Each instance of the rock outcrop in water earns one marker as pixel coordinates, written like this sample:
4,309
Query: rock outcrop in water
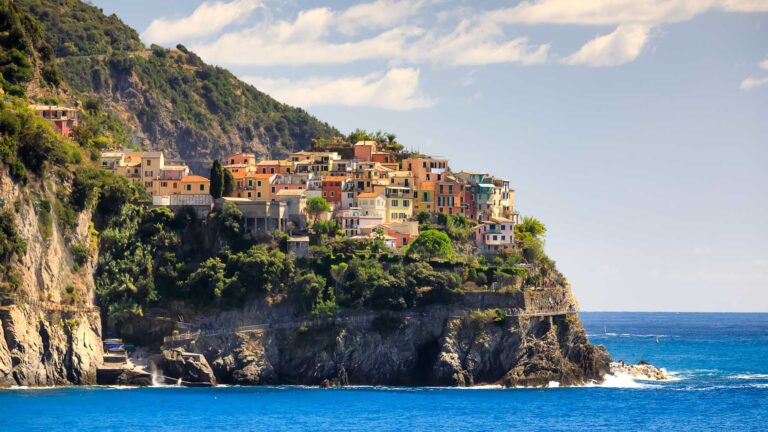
642,370
190,368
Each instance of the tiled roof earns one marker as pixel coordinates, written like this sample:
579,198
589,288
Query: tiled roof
368,194
194,178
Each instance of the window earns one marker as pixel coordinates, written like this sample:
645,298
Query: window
332,194
273,189
202,187
495,237
250,183
406,203
503,227
175,185
325,194
149,162
258,194
394,203
503,238
272,170
249,194
393,216
263,170
163,184
188,187
258,183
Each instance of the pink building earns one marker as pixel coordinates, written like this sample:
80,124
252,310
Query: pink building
494,234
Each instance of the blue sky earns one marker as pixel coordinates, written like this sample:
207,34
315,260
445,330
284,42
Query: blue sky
636,130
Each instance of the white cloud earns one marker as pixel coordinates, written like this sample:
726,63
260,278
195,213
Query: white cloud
623,45
616,12
753,82
305,40
475,43
750,83
397,89
377,14
208,19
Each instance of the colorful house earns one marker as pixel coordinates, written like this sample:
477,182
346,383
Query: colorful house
63,119
241,159
450,196
424,197
195,185
274,167
333,187
494,234
425,169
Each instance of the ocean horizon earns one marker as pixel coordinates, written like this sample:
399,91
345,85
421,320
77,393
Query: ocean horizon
718,361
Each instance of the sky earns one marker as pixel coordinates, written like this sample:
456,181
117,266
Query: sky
636,130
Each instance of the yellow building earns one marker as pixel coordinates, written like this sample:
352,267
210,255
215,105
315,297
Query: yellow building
424,198
195,185
399,205
254,186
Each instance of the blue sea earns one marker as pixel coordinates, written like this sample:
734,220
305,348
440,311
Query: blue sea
720,364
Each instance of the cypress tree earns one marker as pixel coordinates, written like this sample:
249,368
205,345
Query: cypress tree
229,183
217,183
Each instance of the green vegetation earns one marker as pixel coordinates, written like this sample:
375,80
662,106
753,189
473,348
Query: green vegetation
229,183
22,49
27,143
431,244
11,245
217,180
75,28
316,206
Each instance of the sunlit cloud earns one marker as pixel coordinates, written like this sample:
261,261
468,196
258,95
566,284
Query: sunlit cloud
397,89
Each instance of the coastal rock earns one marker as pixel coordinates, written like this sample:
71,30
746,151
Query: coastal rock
45,341
642,370
189,367
433,349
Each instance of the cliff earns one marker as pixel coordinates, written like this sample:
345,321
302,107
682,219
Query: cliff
49,332
446,345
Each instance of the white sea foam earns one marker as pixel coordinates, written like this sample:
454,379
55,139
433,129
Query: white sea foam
750,376
626,335
622,380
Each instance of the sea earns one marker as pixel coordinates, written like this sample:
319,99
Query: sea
719,364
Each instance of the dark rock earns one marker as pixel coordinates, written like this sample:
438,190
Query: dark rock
189,367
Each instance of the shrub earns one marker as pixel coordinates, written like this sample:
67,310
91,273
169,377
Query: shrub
431,244
81,252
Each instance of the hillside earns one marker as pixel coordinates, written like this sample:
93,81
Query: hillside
169,100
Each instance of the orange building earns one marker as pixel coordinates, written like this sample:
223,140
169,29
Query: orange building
241,159
425,169
332,187
195,185
274,167
450,196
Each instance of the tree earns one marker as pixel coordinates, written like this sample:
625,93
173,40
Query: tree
217,180
423,217
327,229
315,206
339,273
431,244
531,227
229,183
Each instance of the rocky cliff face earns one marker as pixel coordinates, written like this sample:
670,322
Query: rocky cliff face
434,349
48,333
